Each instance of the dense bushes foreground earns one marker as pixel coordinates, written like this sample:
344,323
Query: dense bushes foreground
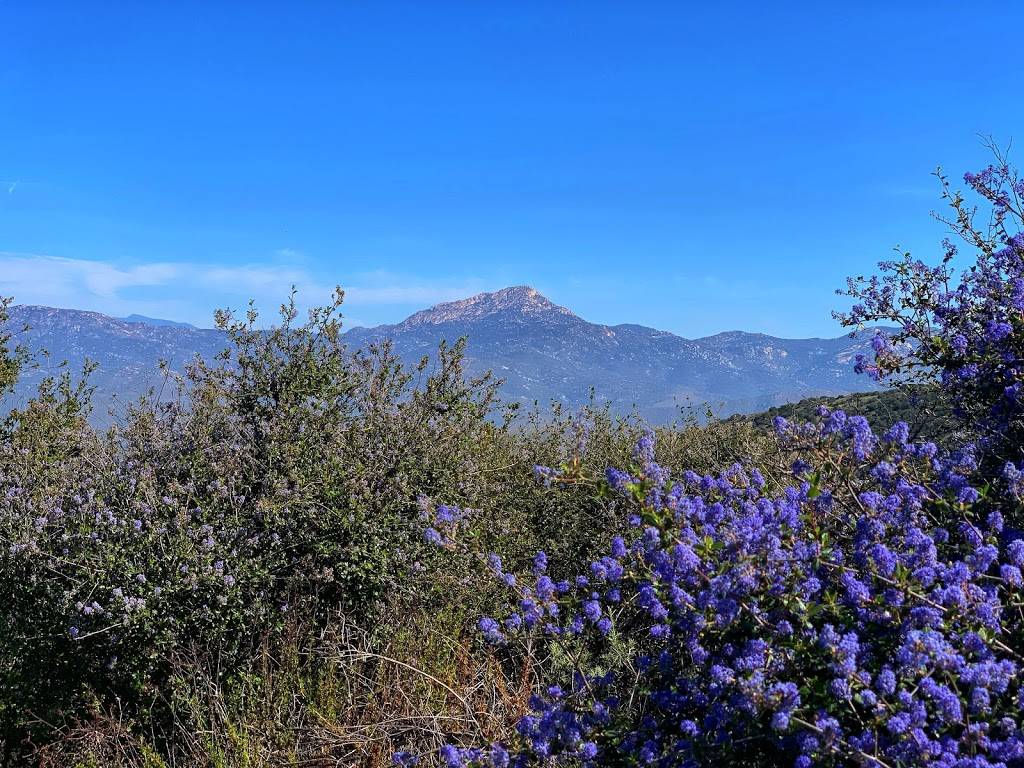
236,573
309,557
867,609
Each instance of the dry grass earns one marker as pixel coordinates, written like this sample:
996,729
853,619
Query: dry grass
350,698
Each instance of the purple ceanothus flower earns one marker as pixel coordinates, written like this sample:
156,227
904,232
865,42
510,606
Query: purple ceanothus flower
862,606
861,631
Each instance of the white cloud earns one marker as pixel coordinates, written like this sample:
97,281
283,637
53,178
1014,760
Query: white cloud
107,281
406,294
30,277
257,278
191,291
382,288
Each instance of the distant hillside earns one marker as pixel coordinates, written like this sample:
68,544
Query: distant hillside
128,352
542,351
155,321
922,409
545,352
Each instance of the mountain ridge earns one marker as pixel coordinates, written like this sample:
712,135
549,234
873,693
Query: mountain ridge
541,350
546,352
518,298
136,318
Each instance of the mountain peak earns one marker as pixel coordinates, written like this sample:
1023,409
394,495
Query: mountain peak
541,351
159,322
516,300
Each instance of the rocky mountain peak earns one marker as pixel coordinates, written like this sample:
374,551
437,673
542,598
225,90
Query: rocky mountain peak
542,353
518,300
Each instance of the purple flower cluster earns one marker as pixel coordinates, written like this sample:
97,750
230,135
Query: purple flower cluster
122,567
967,330
869,611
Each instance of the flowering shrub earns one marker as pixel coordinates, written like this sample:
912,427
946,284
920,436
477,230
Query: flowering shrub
967,330
866,607
838,597
279,483
870,611
215,537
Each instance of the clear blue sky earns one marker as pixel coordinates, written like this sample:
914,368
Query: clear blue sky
693,167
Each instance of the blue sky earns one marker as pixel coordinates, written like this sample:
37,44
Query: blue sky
693,167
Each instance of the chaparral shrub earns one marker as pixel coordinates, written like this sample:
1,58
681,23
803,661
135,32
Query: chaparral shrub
867,609
279,482
158,576
236,573
966,330
868,612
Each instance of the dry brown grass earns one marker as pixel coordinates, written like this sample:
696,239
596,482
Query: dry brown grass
351,698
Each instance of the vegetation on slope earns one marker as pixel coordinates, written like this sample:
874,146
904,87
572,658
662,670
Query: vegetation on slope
235,573
305,556
922,408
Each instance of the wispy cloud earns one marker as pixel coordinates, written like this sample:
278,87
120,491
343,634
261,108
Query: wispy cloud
191,290
30,277
387,288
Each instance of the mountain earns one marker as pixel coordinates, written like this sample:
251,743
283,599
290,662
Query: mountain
127,352
155,321
545,352
542,351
